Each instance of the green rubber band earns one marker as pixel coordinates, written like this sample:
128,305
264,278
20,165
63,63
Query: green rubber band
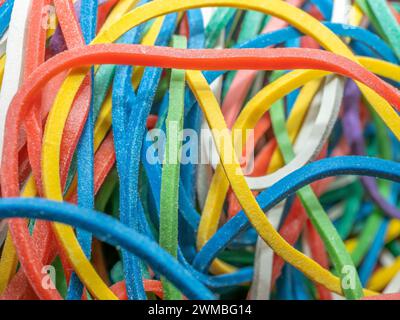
237,257
351,209
218,22
336,195
106,190
229,39
387,23
61,283
171,168
366,237
251,25
336,249
367,11
394,247
114,203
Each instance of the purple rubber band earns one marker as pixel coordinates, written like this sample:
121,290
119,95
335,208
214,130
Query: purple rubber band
353,132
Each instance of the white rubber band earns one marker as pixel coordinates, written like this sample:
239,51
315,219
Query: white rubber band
261,289
3,44
394,285
336,211
387,258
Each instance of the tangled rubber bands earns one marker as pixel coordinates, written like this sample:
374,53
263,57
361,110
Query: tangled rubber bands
199,149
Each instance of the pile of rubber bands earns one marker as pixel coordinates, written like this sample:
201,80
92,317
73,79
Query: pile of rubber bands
200,149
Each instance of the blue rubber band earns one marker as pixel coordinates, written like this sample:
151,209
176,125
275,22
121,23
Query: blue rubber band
109,230
85,150
131,211
5,16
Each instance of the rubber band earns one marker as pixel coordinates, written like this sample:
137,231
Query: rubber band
2,63
5,16
304,173
34,56
132,213
370,259
170,171
85,149
354,139
62,11
38,20
11,80
232,173
392,30
291,230
3,44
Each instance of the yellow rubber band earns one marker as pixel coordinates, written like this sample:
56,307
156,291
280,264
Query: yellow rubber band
382,276
2,64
